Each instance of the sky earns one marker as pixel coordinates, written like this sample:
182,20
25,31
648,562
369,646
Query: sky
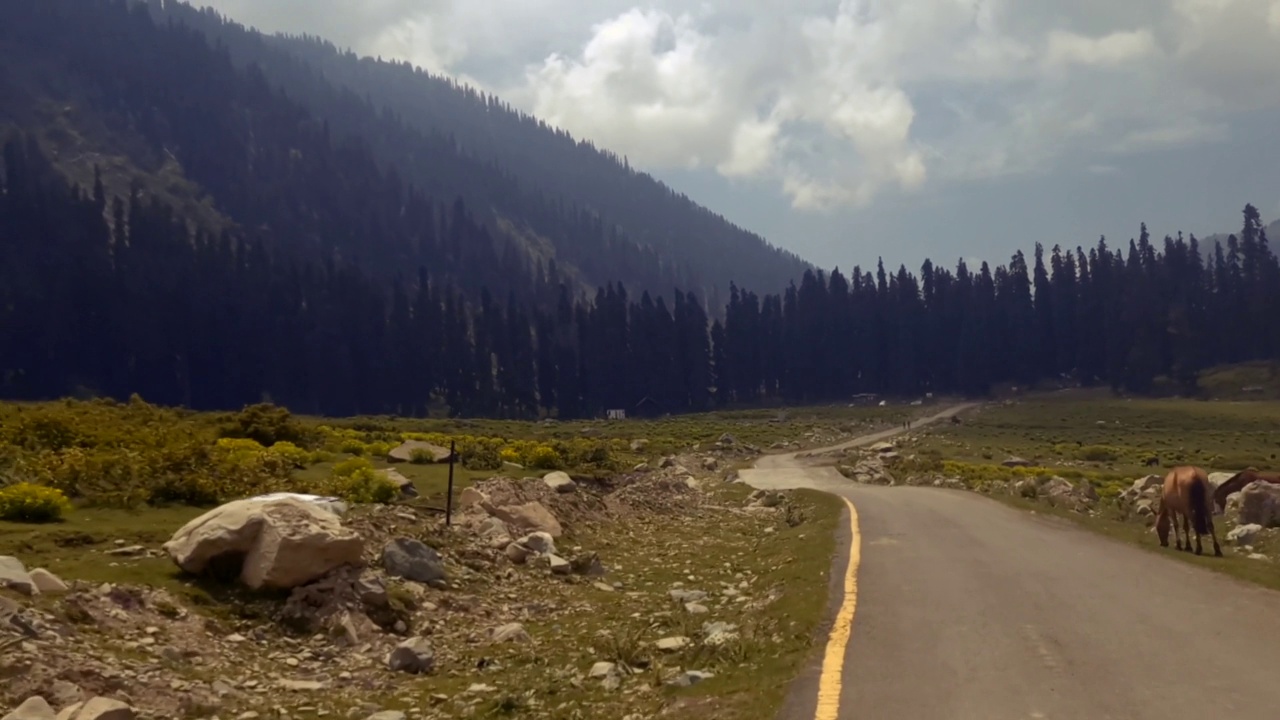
848,130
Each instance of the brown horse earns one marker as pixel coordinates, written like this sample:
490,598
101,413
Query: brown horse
1186,493
1239,481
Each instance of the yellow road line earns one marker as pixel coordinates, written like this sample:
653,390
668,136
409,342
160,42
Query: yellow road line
833,663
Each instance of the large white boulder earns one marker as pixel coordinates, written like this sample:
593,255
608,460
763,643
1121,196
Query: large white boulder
1260,504
281,543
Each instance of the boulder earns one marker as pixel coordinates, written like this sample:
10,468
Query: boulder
1016,461
639,445
1260,504
881,447
529,517
511,632
33,708
1217,478
539,542
560,482
280,543
407,488
13,575
469,497
404,451
47,582
413,560
494,532
558,565
518,553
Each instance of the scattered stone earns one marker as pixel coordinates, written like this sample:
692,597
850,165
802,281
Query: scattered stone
588,564
412,656
1259,556
301,685
511,632
710,464
881,447
601,669
639,445
99,708
539,542
387,715
718,633
602,587
681,595
64,693
1145,508
1015,461
47,582
641,467
413,560
1244,534
696,609
469,497
33,708
128,551
518,554
277,543
560,482
558,565
672,644
691,677
13,575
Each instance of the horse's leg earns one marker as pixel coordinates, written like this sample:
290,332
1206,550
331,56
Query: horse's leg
1213,533
1186,531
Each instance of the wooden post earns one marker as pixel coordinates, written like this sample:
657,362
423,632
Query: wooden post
448,502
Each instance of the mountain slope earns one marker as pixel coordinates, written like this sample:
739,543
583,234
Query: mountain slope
176,122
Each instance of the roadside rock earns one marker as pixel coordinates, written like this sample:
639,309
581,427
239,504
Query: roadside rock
1260,505
560,482
278,543
1244,534
13,575
413,560
413,656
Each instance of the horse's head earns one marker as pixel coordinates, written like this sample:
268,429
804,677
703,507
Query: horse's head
1233,484
1162,527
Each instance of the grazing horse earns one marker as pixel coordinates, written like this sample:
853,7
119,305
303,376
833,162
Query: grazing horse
1186,493
1239,481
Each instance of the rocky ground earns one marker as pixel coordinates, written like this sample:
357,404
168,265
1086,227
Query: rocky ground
554,597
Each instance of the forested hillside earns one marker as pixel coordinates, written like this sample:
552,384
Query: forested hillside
271,145
173,223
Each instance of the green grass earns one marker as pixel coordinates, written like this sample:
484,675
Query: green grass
1094,432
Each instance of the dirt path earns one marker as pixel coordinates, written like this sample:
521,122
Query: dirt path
967,608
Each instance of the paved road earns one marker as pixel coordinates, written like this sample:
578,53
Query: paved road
967,609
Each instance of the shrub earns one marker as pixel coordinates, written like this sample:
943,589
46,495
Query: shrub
292,454
352,446
510,455
265,423
545,457
1099,453
356,481
25,502
421,456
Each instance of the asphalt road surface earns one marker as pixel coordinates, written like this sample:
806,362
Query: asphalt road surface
967,609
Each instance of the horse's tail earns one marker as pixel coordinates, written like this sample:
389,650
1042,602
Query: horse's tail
1200,506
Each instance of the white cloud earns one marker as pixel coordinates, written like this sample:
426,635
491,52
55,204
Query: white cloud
841,101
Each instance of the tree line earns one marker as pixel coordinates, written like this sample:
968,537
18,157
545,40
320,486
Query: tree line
115,295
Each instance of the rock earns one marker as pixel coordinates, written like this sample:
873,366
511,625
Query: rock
540,542
1259,556
639,445
518,554
47,582
587,564
696,609
413,560
1015,461
1260,504
881,447
672,644
710,464
666,462
559,566
278,543
602,587
1217,478
511,632
727,440
718,633
529,517
641,467
470,497
407,488
13,575
301,685
1244,534
99,708
686,596
64,693
691,677
601,669
560,482
494,532
33,708
1144,508
404,451
387,715
412,656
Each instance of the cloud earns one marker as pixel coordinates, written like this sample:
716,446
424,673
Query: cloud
838,102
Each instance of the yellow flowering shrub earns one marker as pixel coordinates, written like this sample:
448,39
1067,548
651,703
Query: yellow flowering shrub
29,503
